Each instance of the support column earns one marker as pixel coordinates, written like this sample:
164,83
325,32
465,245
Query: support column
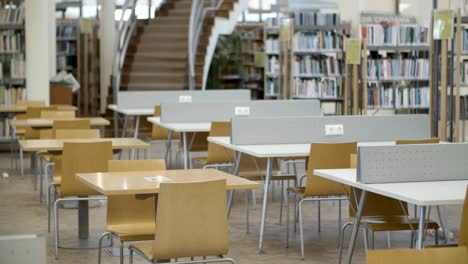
52,40
107,44
37,50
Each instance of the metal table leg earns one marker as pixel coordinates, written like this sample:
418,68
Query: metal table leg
168,145
135,133
421,229
184,138
83,219
116,124
357,221
21,161
265,203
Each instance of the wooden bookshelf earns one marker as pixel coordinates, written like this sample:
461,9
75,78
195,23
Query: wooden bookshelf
271,34
395,69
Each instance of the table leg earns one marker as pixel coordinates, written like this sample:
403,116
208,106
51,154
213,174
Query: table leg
421,229
168,146
265,203
357,221
137,126
83,219
184,138
116,124
21,161
124,128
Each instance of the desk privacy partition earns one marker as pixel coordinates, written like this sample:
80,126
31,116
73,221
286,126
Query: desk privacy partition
300,130
224,111
149,99
412,163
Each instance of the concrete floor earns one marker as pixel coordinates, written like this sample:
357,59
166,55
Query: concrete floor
21,213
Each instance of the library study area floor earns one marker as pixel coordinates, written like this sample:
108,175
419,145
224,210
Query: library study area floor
22,213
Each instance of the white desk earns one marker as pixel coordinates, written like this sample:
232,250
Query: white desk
269,152
183,128
422,194
136,112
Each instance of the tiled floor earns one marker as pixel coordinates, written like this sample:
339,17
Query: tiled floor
20,212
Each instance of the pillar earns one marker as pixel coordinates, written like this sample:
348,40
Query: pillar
107,33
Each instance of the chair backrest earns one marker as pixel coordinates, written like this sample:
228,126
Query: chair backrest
191,220
379,205
35,111
160,133
46,134
72,124
327,156
57,114
216,153
77,133
31,103
126,208
83,157
463,239
443,255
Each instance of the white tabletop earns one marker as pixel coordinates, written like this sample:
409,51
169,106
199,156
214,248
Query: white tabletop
419,193
132,111
277,150
181,127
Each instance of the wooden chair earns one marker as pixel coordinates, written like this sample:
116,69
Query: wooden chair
72,124
454,255
58,114
130,219
322,156
188,227
31,103
384,214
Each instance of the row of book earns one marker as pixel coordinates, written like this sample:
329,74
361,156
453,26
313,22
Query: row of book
379,96
272,45
12,95
322,40
14,69
12,15
388,69
465,39
325,88
464,72
396,35
272,65
271,88
68,31
11,41
307,65
316,19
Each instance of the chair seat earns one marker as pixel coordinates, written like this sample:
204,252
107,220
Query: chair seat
298,190
144,248
378,224
133,232
201,160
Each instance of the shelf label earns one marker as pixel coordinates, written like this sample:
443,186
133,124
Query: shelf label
185,99
353,51
242,111
443,24
334,130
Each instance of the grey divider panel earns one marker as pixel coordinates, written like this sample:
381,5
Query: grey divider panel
23,249
149,99
412,163
300,130
224,111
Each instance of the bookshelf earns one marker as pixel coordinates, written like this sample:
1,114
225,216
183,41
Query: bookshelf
396,68
316,62
272,60
68,41
252,57
12,61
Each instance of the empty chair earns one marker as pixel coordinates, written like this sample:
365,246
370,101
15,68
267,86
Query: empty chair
58,114
130,219
72,124
190,222
31,103
322,156
452,255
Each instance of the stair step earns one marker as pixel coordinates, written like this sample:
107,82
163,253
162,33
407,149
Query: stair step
157,86
165,36
158,65
169,27
156,77
161,55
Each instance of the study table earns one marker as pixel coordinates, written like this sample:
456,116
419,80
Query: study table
183,128
141,185
421,194
15,108
270,152
44,123
127,112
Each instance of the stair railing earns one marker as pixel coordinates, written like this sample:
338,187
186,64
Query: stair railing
197,18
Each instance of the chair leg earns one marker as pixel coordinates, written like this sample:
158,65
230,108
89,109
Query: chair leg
372,241
247,220
287,219
121,252
254,200
40,180
301,231
296,213
340,248
389,241
436,236
366,239
49,189
319,216
56,227
281,202
130,256
105,234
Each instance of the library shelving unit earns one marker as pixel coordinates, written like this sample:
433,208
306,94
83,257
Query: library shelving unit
252,57
316,61
396,69
68,38
12,61
271,34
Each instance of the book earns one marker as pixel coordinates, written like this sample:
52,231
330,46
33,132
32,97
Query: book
315,88
316,19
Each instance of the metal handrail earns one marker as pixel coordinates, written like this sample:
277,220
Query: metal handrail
197,19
